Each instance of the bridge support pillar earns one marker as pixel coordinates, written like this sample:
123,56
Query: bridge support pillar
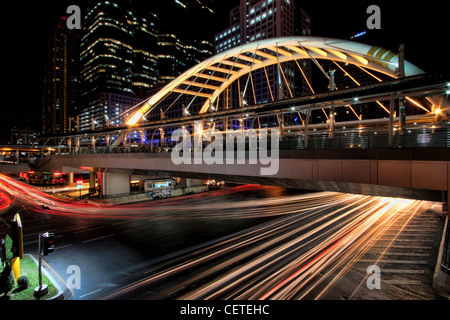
92,182
114,184
189,183
71,178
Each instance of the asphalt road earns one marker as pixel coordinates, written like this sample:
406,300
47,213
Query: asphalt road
247,242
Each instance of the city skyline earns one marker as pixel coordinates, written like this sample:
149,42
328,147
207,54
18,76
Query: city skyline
417,28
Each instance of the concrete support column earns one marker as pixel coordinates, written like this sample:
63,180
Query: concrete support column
71,178
114,184
92,182
193,183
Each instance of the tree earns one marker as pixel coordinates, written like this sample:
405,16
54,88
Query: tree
7,245
6,280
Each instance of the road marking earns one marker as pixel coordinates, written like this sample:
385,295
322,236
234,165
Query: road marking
393,261
88,230
123,222
409,235
403,247
408,254
63,247
403,282
400,271
417,228
90,293
136,229
407,240
100,238
36,241
30,242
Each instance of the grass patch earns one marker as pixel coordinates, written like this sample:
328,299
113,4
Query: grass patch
30,269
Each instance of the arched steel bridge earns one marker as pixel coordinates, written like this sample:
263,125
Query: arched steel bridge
347,68
212,77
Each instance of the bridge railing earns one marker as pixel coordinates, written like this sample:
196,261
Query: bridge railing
377,137
428,136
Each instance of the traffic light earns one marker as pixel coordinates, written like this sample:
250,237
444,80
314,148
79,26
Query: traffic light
49,243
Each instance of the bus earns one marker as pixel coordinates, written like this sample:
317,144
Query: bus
38,178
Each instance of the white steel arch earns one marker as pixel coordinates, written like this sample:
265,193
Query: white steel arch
211,77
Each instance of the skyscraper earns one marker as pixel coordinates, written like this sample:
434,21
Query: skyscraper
61,83
255,20
117,65
127,50
116,49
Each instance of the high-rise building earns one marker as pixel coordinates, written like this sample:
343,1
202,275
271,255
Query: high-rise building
116,49
116,60
23,137
260,19
255,20
61,82
176,56
127,51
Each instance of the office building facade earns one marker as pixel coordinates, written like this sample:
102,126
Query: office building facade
60,100
117,63
255,20
124,55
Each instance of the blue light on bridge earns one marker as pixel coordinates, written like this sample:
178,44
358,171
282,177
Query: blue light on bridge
359,35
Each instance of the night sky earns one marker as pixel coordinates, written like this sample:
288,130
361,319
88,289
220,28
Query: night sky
26,27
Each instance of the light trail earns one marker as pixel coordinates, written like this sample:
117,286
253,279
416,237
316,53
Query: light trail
188,207
284,258
308,238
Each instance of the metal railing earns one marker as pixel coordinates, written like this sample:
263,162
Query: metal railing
417,136
435,136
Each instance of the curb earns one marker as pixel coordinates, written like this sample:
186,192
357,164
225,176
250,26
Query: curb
60,295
